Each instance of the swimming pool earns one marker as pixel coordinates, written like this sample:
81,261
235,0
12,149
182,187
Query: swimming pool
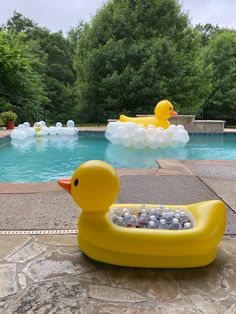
49,158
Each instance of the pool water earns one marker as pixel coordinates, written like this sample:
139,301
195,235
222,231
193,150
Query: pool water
50,158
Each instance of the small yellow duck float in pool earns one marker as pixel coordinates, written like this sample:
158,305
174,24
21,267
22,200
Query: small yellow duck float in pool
94,187
163,110
38,129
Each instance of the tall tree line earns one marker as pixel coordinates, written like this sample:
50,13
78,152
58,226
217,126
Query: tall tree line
132,54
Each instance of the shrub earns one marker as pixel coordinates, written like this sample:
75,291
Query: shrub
7,116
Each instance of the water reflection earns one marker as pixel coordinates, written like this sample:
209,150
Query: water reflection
42,143
131,157
24,145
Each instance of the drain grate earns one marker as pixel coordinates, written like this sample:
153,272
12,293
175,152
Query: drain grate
36,232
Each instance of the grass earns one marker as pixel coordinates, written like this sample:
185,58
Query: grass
230,127
91,125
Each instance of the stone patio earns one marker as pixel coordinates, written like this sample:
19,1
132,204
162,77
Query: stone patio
49,274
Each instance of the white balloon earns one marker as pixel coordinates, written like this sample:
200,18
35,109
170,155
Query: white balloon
169,133
43,123
140,133
184,139
26,124
113,126
59,130
108,135
151,131
21,135
13,134
173,127
115,140
138,143
153,143
127,141
52,130
159,133
141,126
161,142
121,131
58,125
70,124
182,133
71,131
130,127
31,132
44,131
20,126
65,131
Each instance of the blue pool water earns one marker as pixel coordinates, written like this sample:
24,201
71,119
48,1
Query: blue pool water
47,159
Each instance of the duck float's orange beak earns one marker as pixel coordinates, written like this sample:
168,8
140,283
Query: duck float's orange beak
174,113
65,184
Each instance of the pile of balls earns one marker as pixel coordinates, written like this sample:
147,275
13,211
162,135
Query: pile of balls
154,218
131,134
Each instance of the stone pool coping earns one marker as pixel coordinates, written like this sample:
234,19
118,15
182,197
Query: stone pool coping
223,187
167,167
4,132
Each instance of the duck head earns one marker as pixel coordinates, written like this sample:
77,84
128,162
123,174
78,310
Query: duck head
164,109
94,185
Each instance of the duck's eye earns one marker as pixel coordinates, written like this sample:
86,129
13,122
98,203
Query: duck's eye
170,108
76,182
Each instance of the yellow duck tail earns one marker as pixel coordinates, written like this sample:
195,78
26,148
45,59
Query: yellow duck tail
124,118
144,120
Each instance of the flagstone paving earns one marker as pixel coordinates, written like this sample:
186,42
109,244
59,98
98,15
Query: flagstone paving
49,274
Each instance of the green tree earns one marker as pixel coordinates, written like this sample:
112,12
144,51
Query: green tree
207,31
18,23
21,88
52,58
220,54
135,53
59,75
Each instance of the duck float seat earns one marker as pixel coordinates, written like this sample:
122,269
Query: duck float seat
95,185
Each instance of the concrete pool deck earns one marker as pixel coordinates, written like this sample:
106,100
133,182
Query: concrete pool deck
47,273
47,206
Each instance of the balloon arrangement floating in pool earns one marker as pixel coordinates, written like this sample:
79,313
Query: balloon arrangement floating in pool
153,132
40,129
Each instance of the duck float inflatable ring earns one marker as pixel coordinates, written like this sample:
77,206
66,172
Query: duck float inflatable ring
163,111
94,187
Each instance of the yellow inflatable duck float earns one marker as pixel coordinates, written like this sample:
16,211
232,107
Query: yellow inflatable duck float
163,110
94,187
38,129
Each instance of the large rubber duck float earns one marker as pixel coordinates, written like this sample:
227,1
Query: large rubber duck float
94,187
163,111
